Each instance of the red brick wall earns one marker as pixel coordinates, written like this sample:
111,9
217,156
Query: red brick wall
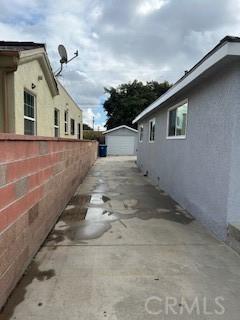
38,176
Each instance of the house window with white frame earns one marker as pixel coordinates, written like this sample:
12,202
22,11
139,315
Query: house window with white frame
29,114
79,130
152,130
141,133
66,119
72,127
177,120
56,123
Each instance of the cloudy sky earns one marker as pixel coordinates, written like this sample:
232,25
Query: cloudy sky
120,40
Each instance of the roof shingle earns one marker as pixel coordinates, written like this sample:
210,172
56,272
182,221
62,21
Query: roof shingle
20,46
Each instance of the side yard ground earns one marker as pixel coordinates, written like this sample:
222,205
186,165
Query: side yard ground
124,250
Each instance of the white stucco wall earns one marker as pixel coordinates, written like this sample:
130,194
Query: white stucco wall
201,172
29,73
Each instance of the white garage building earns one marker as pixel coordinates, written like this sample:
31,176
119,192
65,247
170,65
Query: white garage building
121,141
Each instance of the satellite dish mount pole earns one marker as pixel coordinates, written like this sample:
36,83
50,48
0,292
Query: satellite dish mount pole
64,58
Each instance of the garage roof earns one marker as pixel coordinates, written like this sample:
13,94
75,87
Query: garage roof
120,127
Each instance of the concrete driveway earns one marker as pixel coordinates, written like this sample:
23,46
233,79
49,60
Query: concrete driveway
124,250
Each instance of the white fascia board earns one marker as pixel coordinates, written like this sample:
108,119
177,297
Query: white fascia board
229,48
28,53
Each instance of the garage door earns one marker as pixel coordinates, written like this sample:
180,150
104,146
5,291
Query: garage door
120,145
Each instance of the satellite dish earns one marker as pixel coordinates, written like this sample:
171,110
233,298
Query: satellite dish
64,58
63,53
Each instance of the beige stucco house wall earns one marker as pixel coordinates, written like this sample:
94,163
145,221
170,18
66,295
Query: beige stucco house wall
33,74
64,102
1,103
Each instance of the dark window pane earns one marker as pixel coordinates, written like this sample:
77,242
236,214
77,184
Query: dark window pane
29,105
56,117
30,112
172,123
56,132
66,121
25,109
152,131
140,134
28,99
72,127
29,126
79,131
181,120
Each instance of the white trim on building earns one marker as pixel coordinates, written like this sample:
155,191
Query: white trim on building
221,51
120,127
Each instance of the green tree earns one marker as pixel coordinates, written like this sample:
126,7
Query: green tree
86,127
129,99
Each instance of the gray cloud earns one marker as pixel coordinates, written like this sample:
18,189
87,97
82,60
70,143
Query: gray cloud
177,32
120,40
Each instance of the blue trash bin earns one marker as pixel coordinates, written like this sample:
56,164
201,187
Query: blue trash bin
102,150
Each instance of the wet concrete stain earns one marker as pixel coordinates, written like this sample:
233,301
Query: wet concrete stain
98,199
85,218
79,233
90,216
87,230
33,272
55,237
82,224
74,214
77,208
146,215
79,200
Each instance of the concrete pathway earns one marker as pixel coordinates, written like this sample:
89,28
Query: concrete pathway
124,250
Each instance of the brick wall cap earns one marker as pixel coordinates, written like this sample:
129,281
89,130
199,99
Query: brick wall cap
18,137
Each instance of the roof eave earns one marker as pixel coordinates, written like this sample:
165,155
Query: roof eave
225,49
120,127
41,55
9,60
